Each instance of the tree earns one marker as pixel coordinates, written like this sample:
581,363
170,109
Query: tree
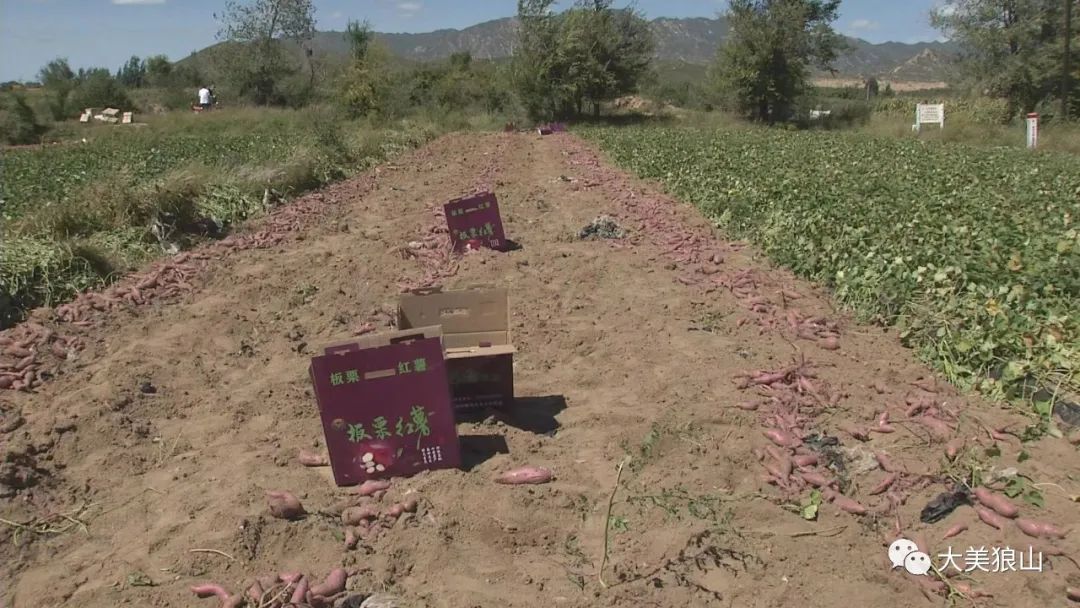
588,54
258,63
132,73
365,82
58,80
765,64
98,89
1010,48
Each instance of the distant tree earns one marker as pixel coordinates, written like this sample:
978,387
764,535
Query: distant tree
588,54
765,64
365,83
359,36
98,89
58,80
18,125
258,63
133,73
1011,48
158,68
872,87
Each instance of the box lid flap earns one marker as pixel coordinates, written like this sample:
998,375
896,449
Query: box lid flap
480,351
465,311
382,339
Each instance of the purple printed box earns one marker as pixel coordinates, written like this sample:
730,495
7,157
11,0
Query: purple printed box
385,405
474,221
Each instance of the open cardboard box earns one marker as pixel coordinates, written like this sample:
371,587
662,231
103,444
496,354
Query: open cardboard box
476,338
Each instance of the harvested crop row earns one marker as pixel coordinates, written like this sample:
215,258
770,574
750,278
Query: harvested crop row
163,280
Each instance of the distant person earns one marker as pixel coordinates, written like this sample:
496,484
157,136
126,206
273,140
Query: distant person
204,98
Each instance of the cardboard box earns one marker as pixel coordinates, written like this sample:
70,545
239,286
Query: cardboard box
476,337
385,405
474,221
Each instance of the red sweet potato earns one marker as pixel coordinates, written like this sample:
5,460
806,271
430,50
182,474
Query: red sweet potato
299,594
805,460
332,585
525,475
206,590
953,531
371,486
1000,504
815,479
309,458
1039,529
990,518
782,438
830,343
884,484
409,505
284,505
1073,593
354,516
848,505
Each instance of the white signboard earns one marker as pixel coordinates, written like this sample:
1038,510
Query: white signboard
817,114
1032,130
928,114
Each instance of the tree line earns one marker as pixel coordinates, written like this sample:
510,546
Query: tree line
569,64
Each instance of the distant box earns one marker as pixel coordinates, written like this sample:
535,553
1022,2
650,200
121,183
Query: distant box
476,336
474,221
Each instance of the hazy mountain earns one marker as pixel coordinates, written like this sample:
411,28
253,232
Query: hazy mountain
688,41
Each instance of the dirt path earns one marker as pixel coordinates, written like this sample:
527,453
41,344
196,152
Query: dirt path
630,352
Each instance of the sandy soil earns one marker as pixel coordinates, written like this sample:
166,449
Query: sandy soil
630,352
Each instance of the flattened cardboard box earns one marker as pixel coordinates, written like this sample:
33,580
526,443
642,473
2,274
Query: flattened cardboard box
476,336
385,405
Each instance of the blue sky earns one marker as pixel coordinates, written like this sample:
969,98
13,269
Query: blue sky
107,32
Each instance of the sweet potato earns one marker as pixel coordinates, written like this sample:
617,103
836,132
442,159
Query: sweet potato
284,505
783,438
354,516
299,594
352,537
1073,593
848,505
1039,529
308,458
830,343
885,462
815,479
409,505
290,577
953,531
990,518
395,511
525,475
884,484
805,460
333,584
1000,504
952,449
371,486
255,592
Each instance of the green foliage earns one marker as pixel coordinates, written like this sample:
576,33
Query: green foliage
133,73
58,80
98,89
18,124
257,63
1011,49
765,64
974,252
73,215
585,55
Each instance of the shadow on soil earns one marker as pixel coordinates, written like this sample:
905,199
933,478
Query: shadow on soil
478,449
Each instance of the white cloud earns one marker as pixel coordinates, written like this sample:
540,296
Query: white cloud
136,2
408,9
864,25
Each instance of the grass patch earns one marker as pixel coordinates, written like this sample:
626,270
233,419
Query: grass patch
77,214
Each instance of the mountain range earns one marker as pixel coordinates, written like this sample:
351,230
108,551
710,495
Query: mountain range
686,42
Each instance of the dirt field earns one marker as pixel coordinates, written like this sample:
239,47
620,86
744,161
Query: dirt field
629,352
